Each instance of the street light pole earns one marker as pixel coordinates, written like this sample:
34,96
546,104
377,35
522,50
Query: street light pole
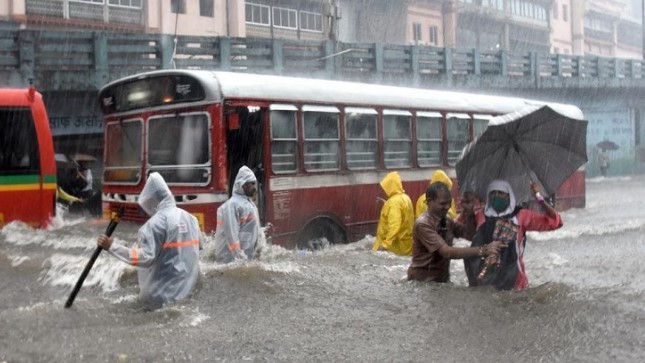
643,25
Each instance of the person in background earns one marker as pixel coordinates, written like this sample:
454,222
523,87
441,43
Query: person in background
85,174
434,233
394,231
237,236
502,220
64,197
422,206
603,161
167,250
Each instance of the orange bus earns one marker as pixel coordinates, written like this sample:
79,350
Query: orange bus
319,148
27,165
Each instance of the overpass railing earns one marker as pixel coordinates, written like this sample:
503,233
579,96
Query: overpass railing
86,60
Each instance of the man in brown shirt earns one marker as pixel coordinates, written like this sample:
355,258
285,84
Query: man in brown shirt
433,236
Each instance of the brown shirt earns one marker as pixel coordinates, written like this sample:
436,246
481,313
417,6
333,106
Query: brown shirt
427,263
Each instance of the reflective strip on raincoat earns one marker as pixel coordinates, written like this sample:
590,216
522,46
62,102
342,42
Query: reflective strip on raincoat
394,231
167,250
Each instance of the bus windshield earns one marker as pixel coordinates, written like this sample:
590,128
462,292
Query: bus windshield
178,147
123,151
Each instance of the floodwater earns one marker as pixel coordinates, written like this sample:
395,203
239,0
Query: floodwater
346,303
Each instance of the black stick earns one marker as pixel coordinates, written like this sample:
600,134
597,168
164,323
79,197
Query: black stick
116,218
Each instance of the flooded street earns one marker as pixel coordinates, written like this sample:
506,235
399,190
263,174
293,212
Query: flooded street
586,303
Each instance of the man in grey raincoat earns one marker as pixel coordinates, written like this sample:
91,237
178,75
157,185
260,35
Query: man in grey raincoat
167,251
238,222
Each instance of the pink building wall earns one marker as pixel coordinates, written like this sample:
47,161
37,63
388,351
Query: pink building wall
561,27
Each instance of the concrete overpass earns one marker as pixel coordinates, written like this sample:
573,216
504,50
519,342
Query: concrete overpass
69,67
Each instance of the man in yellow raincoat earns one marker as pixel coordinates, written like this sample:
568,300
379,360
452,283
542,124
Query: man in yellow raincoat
394,232
422,206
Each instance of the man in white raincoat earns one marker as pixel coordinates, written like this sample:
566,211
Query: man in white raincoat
167,251
238,222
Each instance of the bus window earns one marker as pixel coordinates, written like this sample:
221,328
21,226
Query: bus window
362,139
429,138
398,142
456,135
284,140
18,142
123,160
178,146
480,123
321,138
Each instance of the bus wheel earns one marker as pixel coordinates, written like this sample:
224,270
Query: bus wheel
320,234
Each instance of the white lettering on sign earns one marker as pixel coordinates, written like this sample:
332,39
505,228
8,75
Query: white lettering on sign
81,124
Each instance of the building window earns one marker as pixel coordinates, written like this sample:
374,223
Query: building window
565,11
285,18
310,21
178,6
416,32
433,35
555,11
127,3
206,8
257,14
529,10
91,1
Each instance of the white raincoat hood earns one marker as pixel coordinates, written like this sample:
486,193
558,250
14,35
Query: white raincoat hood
155,195
244,176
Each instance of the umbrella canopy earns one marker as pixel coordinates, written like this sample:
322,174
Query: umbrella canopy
61,158
83,158
607,145
534,144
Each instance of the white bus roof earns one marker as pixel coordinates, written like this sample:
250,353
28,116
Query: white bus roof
224,85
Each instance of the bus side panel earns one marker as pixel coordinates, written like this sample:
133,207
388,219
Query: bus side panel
21,198
30,197
47,161
354,207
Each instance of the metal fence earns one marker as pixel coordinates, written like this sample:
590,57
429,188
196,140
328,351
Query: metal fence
86,60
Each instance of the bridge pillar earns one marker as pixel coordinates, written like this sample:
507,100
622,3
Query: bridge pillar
26,56
101,68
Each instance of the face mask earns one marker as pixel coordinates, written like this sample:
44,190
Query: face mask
499,204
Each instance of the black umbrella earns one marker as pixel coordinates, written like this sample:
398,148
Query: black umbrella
607,145
534,144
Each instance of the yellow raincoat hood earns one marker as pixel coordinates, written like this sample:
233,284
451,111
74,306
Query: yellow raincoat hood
392,184
437,176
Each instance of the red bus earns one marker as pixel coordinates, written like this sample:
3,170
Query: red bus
319,148
27,165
